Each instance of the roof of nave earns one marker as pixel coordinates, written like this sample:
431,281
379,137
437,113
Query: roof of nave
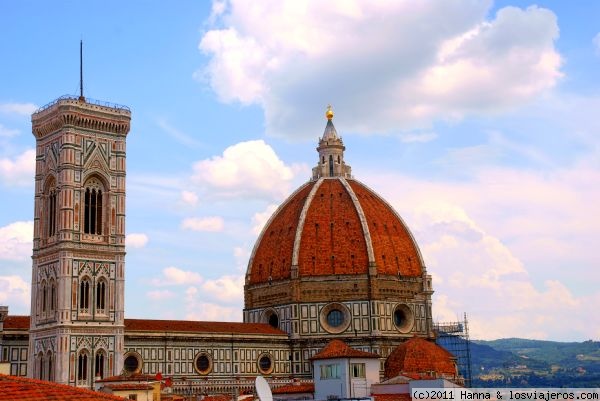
184,326
339,349
23,389
16,322
190,326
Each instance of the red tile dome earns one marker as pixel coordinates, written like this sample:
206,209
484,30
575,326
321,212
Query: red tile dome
333,226
418,357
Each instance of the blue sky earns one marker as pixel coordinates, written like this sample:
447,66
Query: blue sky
476,120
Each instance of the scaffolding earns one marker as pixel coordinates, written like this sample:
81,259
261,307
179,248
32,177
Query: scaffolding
454,337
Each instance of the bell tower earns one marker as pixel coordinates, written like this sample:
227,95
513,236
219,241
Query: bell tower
77,294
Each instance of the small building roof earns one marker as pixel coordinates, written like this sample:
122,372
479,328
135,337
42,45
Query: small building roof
418,358
295,388
339,349
16,322
23,389
129,386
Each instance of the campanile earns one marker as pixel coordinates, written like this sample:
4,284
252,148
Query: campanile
77,285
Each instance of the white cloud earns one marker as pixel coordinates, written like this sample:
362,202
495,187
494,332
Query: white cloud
7,132
246,169
259,219
227,289
419,137
207,311
18,171
211,224
160,295
198,308
16,241
461,63
189,198
15,292
505,237
176,276
136,240
241,255
24,109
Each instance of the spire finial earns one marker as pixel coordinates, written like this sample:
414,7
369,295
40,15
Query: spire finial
81,71
329,112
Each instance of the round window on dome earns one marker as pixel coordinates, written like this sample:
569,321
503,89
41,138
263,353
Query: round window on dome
132,363
335,318
265,364
270,317
403,318
203,363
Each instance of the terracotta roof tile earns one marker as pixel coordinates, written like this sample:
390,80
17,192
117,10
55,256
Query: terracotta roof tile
332,240
417,358
339,349
16,322
295,388
217,397
22,323
392,397
129,386
19,388
200,327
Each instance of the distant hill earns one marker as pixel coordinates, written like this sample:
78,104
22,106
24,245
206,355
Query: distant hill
517,362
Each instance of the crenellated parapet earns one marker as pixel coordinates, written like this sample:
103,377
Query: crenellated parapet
71,112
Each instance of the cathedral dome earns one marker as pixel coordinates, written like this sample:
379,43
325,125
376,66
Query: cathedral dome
333,226
336,240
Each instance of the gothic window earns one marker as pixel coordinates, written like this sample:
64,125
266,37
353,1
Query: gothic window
101,295
40,366
51,212
92,219
52,295
84,294
82,366
99,365
44,296
50,369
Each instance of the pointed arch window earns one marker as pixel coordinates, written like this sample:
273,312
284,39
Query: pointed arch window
82,367
92,219
50,208
99,365
101,295
84,294
50,369
52,295
44,296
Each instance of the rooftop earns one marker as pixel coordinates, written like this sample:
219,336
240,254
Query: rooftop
339,349
23,389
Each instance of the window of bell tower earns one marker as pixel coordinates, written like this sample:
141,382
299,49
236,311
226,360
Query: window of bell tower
50,201
92,218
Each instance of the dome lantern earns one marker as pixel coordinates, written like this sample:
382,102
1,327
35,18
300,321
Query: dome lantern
331,152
